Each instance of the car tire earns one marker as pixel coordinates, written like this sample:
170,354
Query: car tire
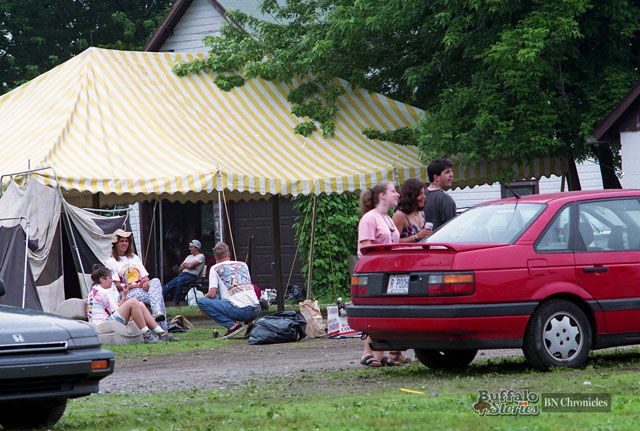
446,359
558,335
36,413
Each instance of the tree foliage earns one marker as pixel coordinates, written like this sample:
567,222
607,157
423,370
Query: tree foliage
36,35
497,78
336,237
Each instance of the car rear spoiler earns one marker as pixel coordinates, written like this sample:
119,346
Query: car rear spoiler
432,246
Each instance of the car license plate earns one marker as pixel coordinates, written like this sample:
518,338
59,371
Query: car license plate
398,284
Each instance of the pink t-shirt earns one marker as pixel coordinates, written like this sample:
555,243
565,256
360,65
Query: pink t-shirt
378,228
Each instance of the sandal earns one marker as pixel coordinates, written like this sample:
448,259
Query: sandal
399,357
247,334
390,362
370,361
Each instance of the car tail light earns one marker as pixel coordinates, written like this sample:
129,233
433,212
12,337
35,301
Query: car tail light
359,285
451,284
99,364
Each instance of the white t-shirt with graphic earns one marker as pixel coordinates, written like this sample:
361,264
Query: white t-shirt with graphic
127,269
101,303
233,280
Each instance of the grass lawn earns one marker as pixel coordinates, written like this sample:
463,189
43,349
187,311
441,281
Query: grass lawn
375,399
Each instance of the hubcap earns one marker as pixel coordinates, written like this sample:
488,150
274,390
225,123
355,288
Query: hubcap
562,336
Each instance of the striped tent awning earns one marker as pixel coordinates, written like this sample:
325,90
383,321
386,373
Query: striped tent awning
124,125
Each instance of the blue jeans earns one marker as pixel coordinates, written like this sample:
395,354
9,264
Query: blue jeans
177,284
225,313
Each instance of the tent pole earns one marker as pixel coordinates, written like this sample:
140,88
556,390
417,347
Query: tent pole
220,227
26,262
277,255
75,244
311,241
161,231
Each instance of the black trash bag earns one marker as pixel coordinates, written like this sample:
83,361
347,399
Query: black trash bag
295,294
280,327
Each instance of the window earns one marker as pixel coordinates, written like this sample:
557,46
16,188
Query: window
523,188
610,225
556,235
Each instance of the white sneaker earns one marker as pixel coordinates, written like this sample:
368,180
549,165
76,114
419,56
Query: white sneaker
149,338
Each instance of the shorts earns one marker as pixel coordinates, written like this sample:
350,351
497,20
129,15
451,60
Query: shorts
117,317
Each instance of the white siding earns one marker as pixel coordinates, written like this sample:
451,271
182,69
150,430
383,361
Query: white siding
630,154
199,20
134,219
588,172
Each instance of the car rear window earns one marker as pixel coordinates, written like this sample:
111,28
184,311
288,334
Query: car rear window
493,224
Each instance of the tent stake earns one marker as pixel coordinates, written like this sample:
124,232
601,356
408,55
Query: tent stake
311,241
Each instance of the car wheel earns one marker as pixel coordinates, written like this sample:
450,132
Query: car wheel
558,335
446,359
32,413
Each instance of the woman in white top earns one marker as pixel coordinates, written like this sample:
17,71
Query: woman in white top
103,304
127,268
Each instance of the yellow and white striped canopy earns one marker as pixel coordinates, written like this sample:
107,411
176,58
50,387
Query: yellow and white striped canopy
123,124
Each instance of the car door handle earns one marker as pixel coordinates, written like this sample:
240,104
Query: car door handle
596,269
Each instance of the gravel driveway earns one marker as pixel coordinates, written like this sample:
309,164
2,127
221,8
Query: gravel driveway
240,363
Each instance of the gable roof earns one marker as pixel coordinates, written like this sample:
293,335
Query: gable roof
177,11
617,113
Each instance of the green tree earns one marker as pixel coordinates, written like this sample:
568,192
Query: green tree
336,237
36,35
497,78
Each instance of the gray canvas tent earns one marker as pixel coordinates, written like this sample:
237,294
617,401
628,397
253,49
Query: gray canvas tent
62,241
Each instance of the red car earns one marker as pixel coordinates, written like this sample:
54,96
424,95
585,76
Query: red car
556,275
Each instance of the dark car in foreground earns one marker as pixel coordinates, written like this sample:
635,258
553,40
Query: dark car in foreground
44,360
556,275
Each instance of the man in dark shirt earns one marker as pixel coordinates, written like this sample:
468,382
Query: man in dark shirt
439,207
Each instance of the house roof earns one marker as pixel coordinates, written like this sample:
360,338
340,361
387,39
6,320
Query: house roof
617,113
165,29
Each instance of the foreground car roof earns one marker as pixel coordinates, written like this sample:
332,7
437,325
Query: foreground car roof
569,196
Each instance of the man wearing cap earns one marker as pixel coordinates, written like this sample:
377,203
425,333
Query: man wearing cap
189,269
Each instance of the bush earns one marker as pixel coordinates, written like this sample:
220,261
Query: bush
336,238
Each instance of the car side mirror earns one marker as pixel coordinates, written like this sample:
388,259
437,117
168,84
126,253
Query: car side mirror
1,287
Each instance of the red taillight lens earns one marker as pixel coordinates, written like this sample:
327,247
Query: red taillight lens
451,284
359,285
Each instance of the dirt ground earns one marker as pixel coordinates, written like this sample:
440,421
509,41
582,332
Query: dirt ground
239,364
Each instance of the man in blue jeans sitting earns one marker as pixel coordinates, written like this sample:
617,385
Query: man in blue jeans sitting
189,271
237,303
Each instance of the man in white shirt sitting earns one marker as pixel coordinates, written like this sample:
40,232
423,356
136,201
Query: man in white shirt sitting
237,303
189,269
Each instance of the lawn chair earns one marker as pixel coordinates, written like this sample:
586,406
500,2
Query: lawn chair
201,283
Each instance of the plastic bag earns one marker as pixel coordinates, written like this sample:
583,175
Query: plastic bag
295,294
280,327
192,298
311,312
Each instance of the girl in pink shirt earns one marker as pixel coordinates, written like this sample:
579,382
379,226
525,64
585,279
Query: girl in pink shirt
376,227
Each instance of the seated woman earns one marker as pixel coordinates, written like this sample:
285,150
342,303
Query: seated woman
103,304
127,268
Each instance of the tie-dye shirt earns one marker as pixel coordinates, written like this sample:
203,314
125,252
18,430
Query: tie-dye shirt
101,303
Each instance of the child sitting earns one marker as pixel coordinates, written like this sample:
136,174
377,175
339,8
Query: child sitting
103,304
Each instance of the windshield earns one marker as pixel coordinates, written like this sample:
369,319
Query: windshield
497,223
